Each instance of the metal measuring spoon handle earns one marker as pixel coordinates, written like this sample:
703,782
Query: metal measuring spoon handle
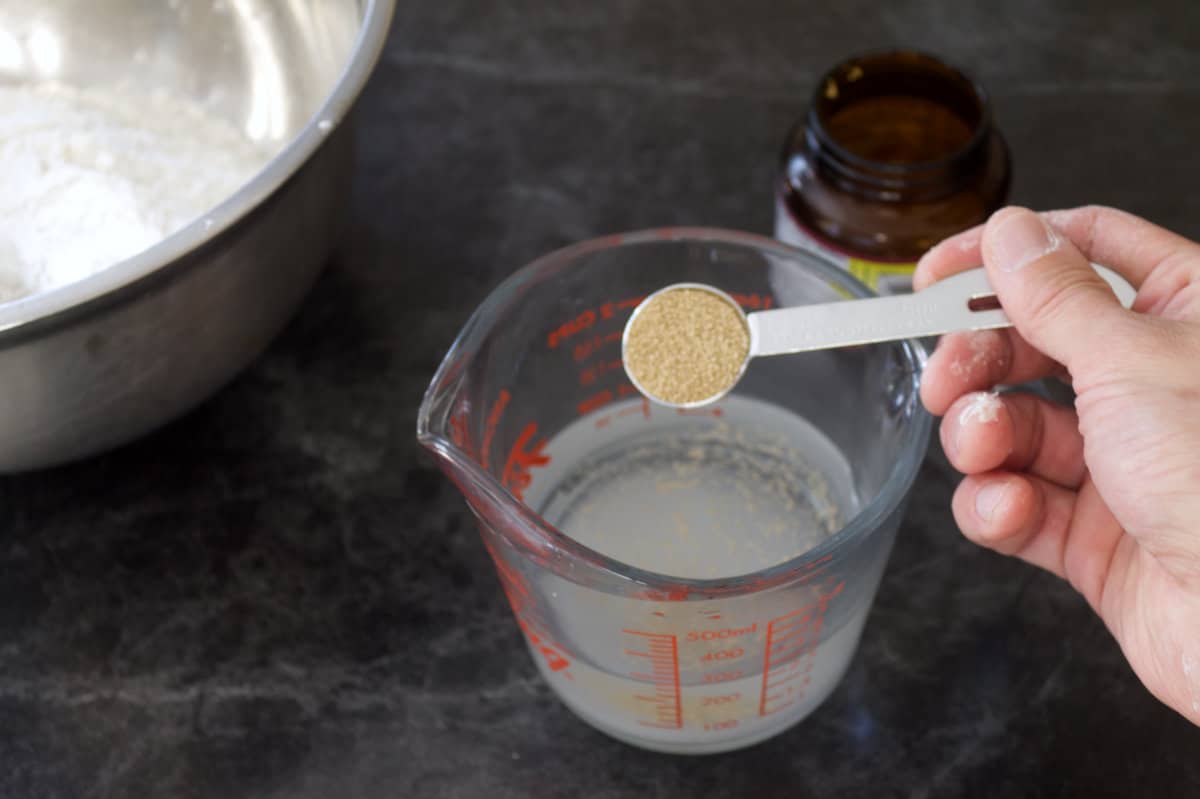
965,301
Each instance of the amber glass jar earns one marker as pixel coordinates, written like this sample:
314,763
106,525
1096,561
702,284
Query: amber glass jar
897,151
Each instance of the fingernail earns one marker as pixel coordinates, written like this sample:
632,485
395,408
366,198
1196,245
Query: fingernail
1021,237
988,498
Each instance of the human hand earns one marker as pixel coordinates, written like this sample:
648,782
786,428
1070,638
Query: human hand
1106,494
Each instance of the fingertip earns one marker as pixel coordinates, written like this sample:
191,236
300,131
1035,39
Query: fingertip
964,362
949,256
997,510
977,432
1000,214
923,274
929,397
1055,299
935,395
1016,236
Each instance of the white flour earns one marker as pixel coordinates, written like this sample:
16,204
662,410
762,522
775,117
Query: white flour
984,407
93,177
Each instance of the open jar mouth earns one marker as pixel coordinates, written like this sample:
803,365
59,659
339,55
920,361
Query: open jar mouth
898,119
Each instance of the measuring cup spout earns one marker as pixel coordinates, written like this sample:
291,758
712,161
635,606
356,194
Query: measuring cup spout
447,427
452,427
443,429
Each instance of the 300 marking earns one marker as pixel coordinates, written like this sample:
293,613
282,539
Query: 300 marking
722,676
720,700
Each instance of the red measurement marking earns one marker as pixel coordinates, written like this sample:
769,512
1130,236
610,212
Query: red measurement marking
814,570
723,654
720,700
661,651
593,373
595,401
458,428
584,349
788,657
722,634
521,458
722,676
489,430
587,319
568,329
625,389
459,433
523,603
554,661
715,726
642,408
810,572
609,309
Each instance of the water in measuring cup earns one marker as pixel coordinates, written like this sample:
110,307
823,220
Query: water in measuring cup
696,716
706,493
697,494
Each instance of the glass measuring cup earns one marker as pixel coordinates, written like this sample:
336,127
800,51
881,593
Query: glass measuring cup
737,623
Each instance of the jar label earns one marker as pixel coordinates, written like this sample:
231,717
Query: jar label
883,277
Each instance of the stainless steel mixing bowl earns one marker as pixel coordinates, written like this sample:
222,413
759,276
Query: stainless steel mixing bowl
99,362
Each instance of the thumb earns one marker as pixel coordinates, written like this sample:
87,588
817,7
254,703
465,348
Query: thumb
1048,289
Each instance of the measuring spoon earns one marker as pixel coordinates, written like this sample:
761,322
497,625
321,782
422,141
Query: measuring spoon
964,301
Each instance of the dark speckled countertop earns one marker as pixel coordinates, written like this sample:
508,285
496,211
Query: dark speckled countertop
280,596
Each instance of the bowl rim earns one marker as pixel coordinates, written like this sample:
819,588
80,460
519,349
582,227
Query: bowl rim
57,306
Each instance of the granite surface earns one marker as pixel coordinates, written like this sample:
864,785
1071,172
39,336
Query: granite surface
280,596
